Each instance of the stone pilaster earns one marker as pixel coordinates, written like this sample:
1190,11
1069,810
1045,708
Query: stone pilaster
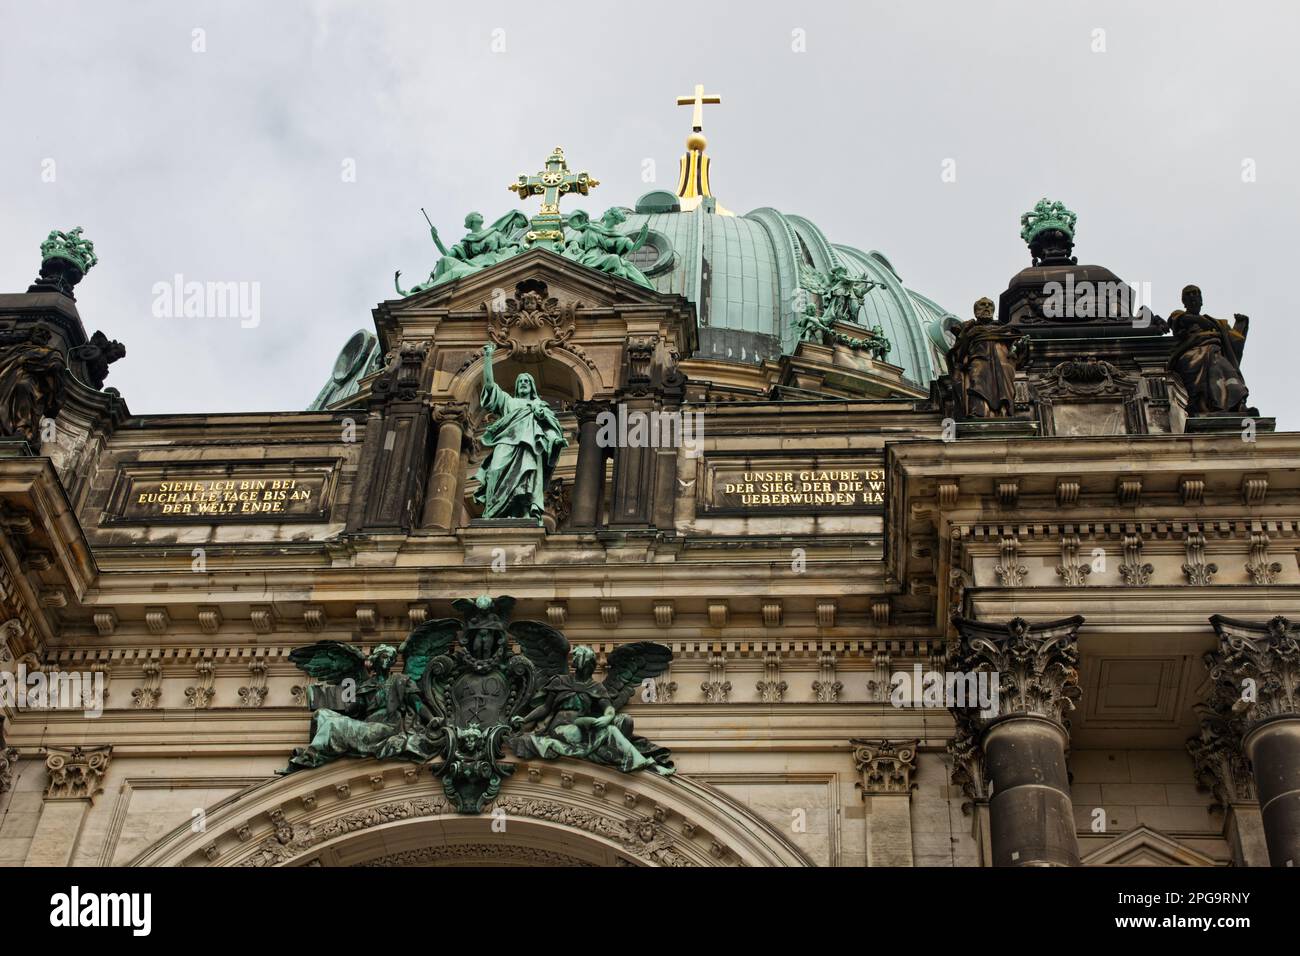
1255,698
887,767
1021,741
440,496
391,475
589,477
76,777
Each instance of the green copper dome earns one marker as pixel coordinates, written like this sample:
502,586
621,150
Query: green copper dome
742,273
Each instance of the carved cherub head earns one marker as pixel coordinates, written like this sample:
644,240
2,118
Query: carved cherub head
584,662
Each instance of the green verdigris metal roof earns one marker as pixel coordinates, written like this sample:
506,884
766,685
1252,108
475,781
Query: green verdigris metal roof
742,273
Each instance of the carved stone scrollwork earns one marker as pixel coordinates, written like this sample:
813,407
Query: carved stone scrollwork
199,696
1133,570
147,695
254,695
76,773
717,689
534,323
1071,569
8,760
1011,573
1260,569
968,768
771,689
1198,571
826,688
886,766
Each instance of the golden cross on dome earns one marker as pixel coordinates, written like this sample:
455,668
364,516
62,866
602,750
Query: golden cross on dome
698,101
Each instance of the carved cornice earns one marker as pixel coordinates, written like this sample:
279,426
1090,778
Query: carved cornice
76,773
886,766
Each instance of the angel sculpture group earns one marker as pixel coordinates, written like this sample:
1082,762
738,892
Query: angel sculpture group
842,296
596,244
464,695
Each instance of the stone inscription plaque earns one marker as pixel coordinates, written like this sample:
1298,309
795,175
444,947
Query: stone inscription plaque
796,489
237,493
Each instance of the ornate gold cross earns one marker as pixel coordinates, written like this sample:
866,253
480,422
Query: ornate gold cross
552,183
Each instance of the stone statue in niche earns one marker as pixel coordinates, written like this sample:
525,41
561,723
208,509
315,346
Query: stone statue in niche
525,442
1207,358
982,364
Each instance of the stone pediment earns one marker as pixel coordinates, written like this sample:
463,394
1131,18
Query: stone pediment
1144,846
572,327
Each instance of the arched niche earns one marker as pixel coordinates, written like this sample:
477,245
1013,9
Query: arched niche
363,812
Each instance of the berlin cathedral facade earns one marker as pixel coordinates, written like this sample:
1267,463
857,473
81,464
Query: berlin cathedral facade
659,536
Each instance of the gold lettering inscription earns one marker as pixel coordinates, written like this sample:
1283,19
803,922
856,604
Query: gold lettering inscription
225,497
819,489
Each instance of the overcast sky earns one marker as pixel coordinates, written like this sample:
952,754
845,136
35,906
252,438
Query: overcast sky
230,163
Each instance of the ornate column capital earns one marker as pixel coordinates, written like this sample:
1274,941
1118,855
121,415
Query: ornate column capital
886,766
8,758
456,413
1255,671
588,411
969,771
1036,666
1221,766
76,773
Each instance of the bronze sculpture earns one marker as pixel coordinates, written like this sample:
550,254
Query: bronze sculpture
1207,358
983,363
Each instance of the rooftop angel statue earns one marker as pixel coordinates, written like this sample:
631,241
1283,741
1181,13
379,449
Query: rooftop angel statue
842,294
576,716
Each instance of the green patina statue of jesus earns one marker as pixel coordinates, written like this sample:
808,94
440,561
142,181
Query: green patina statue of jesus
525,443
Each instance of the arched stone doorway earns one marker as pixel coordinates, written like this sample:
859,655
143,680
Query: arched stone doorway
366,813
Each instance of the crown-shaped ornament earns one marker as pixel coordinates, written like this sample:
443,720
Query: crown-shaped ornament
1044,216
70,246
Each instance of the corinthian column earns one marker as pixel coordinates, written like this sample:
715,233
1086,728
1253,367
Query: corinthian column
1022,736
589,476
1256,693
446,475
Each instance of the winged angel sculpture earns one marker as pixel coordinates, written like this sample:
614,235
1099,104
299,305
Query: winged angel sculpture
842,296
463,695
